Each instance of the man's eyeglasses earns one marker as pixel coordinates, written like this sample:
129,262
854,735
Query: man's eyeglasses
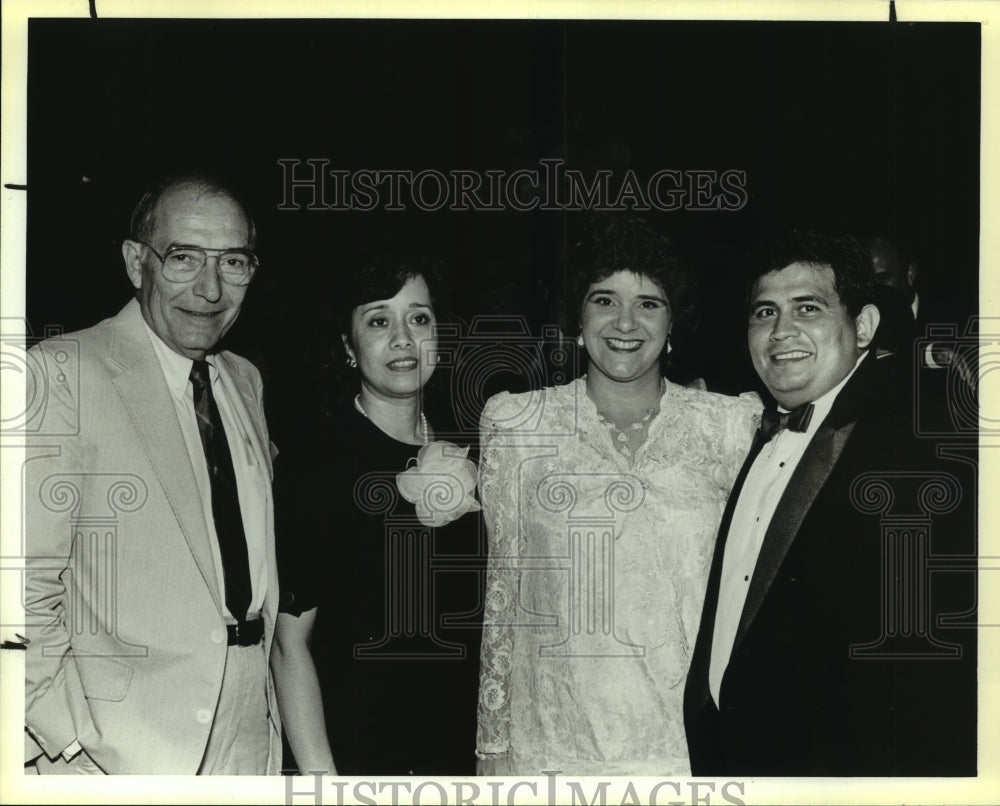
181,264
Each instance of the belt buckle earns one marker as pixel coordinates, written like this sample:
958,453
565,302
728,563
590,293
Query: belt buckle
236,629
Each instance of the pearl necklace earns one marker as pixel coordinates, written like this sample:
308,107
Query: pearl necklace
423,418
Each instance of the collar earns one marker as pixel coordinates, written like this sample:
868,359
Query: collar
823,404
176,367
582,381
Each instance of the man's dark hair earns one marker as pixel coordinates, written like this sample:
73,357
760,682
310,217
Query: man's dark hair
853,270
143,222
889,246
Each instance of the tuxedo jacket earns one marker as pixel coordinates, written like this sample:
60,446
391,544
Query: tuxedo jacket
123,609
855,652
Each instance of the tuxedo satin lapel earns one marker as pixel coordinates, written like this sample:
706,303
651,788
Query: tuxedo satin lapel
702,654
803,487
144,393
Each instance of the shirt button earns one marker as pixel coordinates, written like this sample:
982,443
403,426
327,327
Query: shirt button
204,716
218,636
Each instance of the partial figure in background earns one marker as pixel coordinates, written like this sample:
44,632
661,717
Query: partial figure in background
943,366
828,644
377,647
152,589
601,499
892,270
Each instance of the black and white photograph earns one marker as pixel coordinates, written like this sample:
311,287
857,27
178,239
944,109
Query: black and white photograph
531,405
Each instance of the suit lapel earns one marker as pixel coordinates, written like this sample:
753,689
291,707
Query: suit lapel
144,393
243,401
803,487
805,484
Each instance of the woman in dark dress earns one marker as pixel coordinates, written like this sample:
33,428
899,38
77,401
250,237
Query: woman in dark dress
376,649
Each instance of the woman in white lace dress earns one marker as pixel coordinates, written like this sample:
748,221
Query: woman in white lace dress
602,499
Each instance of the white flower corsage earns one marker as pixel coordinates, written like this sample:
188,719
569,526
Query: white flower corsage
441,484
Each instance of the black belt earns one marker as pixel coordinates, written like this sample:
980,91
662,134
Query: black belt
246,633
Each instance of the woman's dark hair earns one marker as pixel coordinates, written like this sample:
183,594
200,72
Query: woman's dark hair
628,243
373,274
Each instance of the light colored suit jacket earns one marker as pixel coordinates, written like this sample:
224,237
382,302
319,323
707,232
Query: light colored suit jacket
123,608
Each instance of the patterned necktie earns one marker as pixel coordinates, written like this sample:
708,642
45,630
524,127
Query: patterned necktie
225,498
772,422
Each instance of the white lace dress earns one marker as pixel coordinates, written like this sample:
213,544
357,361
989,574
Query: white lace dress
597,573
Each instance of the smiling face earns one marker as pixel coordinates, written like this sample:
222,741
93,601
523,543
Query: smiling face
392,340
190,317
625,321
803,342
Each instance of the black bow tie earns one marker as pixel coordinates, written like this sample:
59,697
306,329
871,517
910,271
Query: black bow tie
773,421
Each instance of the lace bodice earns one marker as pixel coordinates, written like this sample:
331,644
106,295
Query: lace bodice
596,575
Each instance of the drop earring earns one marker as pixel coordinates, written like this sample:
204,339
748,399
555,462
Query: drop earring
579,340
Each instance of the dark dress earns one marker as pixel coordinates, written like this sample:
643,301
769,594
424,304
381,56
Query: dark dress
396,639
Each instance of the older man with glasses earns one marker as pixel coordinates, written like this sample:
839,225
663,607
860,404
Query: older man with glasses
151,585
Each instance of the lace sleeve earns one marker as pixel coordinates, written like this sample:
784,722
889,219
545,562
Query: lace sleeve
741,423
498,491
735,421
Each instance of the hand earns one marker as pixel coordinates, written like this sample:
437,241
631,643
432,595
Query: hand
943,355
497,765
965,366
319,766
80,764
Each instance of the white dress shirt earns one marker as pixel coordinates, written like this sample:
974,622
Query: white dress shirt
248,465
762,490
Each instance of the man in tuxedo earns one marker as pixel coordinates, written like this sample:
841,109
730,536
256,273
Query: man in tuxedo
151,587
827,646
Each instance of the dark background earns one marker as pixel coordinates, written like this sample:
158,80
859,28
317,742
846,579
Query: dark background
849,127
